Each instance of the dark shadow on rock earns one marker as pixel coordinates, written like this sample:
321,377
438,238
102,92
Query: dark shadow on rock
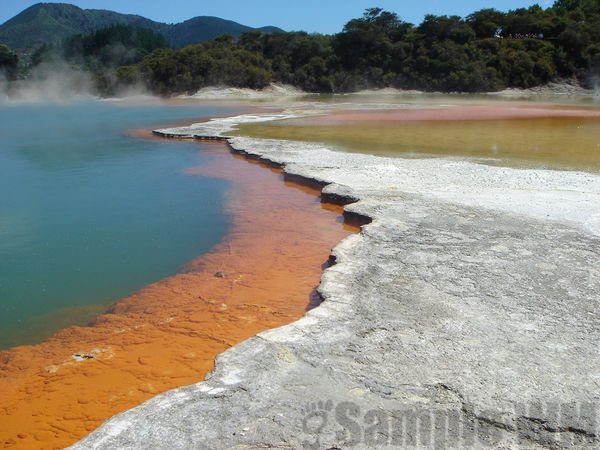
314,300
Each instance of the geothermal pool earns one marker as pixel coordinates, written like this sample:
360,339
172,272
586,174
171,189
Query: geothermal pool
89,215
274,239
137,209
515,134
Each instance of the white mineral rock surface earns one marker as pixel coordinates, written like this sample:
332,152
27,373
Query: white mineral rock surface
467,314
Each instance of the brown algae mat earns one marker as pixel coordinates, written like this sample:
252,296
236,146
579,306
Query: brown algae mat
519,135
263,275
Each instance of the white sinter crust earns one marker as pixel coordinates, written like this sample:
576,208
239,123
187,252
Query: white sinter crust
471,301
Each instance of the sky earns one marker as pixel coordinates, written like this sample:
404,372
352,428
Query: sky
321,16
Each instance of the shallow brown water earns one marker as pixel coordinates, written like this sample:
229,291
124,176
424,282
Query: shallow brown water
530,137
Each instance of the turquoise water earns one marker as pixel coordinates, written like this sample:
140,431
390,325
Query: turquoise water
89,215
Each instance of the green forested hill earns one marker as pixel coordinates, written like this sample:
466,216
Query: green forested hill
486,51
46,23
204,28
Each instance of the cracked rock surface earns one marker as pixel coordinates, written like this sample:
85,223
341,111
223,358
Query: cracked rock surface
442,324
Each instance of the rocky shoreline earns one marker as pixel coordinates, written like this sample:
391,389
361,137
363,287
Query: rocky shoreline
557,88
564,87
462,316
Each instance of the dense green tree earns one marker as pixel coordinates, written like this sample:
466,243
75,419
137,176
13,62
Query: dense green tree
368,41
487,50
101,50
114,46
219,62
440,28
486,22
9,63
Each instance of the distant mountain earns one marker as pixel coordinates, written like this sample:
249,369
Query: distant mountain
52,22
204,28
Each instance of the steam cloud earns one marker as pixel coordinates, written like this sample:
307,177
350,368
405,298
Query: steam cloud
57,82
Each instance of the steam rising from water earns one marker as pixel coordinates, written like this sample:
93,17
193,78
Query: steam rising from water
53,84
595,83
56,83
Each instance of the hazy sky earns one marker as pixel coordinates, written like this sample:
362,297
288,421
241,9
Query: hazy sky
323,16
